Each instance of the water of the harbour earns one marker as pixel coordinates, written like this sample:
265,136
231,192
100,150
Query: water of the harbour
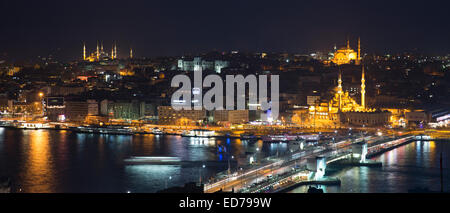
64,161
414,167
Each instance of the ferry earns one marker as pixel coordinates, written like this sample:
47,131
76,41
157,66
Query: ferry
309,138
8,124
157,131
118,130
279,138
199,133
250,137
287,138
152,160
30,125
180,132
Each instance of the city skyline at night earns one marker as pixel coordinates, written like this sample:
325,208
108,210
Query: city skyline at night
225,105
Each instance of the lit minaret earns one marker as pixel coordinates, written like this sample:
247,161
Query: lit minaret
131,53
84,51
115,50
359,49
363,89
340,89
102,47
348,44
358,58
112,52
98,52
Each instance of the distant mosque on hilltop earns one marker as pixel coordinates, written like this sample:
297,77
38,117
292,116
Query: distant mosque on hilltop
100,55
346,55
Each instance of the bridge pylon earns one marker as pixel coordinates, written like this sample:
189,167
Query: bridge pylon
359,151
318,165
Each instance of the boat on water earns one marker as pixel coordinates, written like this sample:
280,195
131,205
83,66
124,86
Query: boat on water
288,138
8,124
309,138
203,133
152,160
278,138
24,125
32,125
118,130
157,131
250,137
180,132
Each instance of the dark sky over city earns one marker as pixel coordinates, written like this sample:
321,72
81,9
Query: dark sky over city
169,27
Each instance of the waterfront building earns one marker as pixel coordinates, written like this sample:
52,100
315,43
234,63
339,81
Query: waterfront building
126,109
231,116
167,115
76,111
55,108
375,118
92,107
417,117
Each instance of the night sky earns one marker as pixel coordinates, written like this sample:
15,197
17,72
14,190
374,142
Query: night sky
160,28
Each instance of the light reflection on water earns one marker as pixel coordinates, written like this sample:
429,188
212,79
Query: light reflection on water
39,164
412,166
63,161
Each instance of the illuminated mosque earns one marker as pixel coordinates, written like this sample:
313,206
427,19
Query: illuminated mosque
340,102
345,55
101,55
342,108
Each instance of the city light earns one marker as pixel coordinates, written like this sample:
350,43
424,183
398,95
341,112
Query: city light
224,98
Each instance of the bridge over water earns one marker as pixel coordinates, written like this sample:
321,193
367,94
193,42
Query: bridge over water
308,165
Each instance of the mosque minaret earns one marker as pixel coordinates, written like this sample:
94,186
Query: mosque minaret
363,89
99,54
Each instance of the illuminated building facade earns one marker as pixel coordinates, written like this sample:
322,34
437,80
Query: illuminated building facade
168,115
200,64
346,55
342,108
231,116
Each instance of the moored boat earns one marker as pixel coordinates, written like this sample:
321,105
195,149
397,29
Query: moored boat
250,137
118,130
199,133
